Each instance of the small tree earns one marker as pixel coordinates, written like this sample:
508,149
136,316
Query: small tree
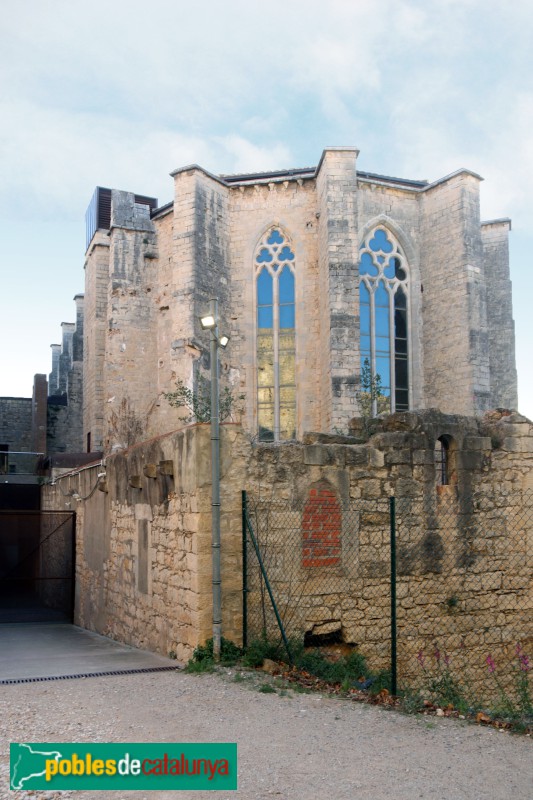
371,398
198,401
126,426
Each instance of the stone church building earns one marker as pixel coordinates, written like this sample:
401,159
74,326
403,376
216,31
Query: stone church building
328,279
317,271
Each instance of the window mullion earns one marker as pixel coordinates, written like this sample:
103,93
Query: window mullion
373,346
276,358
392,367
409,359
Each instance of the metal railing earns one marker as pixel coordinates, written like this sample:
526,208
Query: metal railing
13,462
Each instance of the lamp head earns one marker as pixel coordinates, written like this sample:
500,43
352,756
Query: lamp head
207,322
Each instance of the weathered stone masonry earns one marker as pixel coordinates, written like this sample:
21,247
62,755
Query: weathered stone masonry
151,272
144,531
144,544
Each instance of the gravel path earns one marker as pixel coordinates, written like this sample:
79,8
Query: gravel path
297,746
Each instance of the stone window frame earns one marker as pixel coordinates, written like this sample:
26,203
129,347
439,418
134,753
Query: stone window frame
445,461
275,268
414,298
391,285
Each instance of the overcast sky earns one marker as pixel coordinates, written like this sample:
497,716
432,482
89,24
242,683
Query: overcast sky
120,93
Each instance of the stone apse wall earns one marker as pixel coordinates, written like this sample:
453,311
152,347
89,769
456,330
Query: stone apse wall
144,543
151,275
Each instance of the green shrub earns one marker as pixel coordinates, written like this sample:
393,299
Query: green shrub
346,670
267,688
203,660
259,649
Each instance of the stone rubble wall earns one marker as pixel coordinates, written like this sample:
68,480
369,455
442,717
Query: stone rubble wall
143,562
465,550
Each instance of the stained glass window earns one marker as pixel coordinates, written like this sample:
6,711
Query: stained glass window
384,309
276,383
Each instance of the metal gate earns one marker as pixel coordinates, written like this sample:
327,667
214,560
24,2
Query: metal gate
37,562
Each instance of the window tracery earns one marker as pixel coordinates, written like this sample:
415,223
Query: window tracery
384,310
276,381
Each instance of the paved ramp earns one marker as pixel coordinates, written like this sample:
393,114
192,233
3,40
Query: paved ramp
31,652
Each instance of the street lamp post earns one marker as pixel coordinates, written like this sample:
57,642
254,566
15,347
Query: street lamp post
210,322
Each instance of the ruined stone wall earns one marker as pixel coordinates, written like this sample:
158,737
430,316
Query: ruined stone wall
465,568
143,557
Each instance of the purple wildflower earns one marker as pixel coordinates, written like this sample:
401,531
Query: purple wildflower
490,664
420,658
525,666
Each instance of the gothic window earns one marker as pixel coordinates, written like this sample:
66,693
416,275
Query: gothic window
276,384
384,313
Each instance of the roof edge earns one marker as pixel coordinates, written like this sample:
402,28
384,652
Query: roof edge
446,178
500,221
197,168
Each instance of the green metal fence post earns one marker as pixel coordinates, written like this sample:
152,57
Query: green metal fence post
244,575
393,654
268,587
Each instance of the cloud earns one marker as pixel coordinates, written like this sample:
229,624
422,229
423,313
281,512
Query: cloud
249,157
59,168
124,94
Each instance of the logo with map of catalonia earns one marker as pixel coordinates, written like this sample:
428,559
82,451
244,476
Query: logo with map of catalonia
28,763
63,766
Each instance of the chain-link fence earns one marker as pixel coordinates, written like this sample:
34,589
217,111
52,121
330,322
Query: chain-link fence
449,604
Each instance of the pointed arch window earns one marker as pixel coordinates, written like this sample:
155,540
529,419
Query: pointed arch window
384,318
276,382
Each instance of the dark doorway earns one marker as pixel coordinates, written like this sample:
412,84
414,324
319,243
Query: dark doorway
20,497
37,563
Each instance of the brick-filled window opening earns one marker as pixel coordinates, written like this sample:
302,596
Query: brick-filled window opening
384,315
321,528
276,344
